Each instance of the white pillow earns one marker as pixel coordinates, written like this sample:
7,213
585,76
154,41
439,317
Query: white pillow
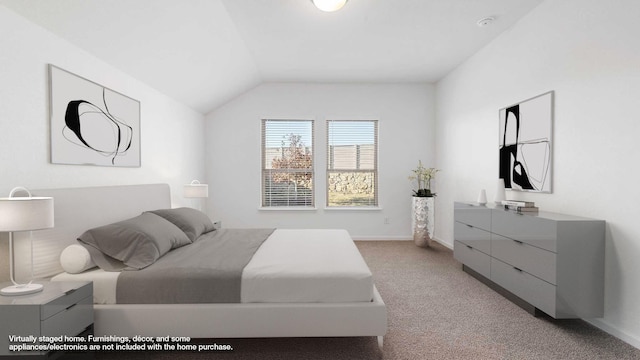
76,259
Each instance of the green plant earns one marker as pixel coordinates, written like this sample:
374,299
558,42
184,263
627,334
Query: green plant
423,176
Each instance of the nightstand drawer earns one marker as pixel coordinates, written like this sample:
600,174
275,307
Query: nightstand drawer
538,293
536,261
61,308
70,321
475,215
71,296
470,235
473,258
534,230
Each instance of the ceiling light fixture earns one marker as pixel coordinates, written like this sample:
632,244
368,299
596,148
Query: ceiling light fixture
329,5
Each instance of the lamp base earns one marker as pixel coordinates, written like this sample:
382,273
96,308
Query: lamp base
21,289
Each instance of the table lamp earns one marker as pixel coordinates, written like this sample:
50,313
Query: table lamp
23,214
196,190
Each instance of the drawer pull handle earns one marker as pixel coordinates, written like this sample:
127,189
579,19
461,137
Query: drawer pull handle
469,225
520,270
70,291
470,247
69,308
518,241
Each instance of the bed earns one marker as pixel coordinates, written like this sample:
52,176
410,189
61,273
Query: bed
328,305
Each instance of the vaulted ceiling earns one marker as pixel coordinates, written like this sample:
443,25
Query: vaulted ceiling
205,52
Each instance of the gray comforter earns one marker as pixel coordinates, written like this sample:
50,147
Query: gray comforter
207,271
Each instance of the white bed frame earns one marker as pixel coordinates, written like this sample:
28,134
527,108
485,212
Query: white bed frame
78,209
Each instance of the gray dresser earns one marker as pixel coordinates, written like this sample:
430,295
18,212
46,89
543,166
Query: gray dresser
543,261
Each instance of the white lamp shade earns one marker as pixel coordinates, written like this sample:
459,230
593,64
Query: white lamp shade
329,5
196,190
26,213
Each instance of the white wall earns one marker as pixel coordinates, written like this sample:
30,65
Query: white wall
171,134
588,52
406,123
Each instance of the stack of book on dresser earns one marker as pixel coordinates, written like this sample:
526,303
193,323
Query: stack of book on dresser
519,206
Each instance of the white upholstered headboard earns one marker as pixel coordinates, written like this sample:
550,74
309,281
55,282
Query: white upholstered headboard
79,209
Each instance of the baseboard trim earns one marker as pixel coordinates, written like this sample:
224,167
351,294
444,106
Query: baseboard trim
445,244
614,331
380,238
397,238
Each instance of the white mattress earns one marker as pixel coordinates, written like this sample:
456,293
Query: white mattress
104,283
291,266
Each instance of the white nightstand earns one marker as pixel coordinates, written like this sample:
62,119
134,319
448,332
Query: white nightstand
62,308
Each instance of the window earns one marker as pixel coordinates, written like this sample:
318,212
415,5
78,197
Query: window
352,163
287,163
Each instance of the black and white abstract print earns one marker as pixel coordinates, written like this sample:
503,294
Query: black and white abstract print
525,144
91,124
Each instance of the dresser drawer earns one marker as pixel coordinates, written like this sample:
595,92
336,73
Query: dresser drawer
70,321
538,262
538,293
475,215
534,230
72,296
471,235
473,258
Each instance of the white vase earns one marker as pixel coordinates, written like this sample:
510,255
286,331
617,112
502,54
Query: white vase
500,192
422,222
482,197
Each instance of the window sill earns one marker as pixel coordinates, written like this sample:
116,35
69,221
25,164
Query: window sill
353,208
288,208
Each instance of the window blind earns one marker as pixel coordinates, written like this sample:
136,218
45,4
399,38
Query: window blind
352,163
287,163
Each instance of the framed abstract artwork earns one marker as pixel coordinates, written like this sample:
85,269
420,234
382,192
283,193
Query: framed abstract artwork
92,124
525,144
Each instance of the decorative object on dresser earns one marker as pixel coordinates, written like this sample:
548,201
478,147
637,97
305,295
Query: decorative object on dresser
548,262
91,124
500,192
518,203
526,144
63,308
23,214
519,206
423,209
482,197
522,209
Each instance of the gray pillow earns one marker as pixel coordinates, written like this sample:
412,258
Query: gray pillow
193,222
132,244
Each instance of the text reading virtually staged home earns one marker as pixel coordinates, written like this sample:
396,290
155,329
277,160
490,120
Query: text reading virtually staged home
307,179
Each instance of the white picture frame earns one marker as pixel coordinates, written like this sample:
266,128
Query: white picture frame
525,144
91,124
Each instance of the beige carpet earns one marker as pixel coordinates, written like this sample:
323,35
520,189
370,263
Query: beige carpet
436,311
